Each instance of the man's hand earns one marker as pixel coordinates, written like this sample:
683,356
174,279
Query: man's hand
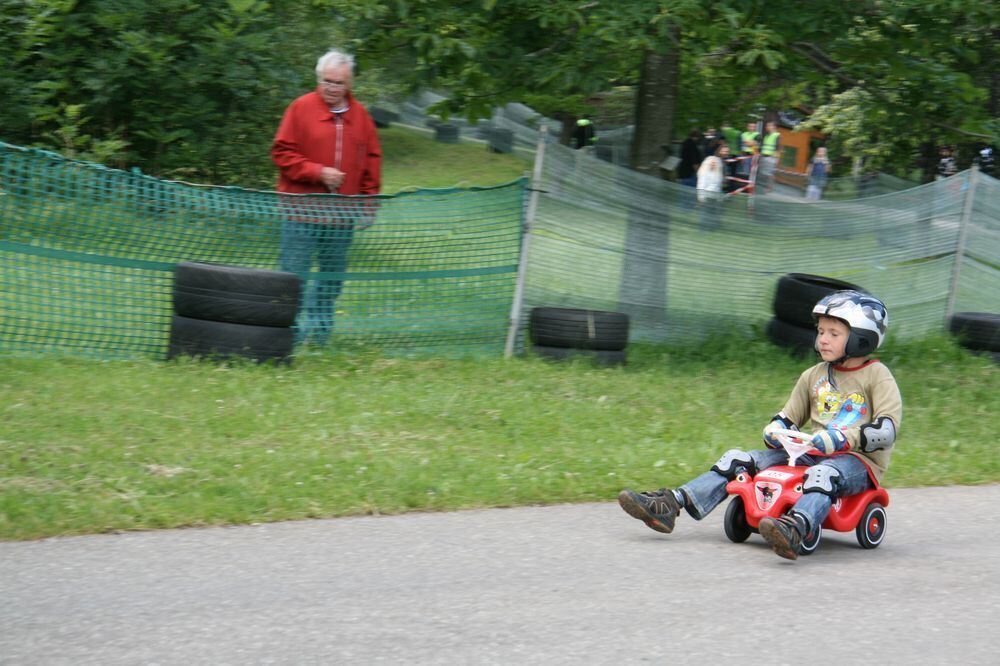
830,440
332,178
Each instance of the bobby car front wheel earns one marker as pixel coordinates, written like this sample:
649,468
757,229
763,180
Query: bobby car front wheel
735,523
811,542
871,528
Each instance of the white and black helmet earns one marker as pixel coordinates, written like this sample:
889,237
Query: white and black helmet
864,314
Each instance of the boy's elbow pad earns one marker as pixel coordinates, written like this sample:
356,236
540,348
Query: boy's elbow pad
877,435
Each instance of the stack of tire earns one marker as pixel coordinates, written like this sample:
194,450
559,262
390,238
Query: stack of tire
978,331
229,311
792,325
564,333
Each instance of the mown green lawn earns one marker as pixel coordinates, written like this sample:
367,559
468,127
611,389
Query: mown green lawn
91,446
412,159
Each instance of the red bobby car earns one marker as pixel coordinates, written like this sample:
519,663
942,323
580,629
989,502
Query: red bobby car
775,490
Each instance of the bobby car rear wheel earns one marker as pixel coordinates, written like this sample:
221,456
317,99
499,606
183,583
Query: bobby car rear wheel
735,523
871,528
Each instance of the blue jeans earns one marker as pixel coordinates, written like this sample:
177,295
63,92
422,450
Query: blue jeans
707,491
327,244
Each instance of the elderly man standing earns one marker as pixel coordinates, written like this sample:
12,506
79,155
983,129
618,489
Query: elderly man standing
326,143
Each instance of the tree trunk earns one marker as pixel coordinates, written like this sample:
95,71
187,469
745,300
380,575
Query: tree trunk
993,85
567,125
928,161
642,292
654,108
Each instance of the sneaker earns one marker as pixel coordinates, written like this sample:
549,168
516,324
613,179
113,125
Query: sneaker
784,534
657,509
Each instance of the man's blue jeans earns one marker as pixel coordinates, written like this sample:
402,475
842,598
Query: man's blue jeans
708,490
327,245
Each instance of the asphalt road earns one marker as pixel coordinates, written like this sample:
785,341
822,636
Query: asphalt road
554,585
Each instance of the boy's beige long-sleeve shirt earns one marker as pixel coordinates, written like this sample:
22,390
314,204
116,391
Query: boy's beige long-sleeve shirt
846,399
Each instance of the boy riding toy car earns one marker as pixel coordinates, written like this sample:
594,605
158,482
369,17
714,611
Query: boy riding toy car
774,491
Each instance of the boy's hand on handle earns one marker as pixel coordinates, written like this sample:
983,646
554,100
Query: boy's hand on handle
830,440
779,422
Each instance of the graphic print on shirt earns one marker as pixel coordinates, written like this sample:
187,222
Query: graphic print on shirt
837,409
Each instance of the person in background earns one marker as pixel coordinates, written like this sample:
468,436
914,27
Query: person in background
730,165
326,144
690,160
946,165
986,161
770,153
584,134
710,142
711,176
819,171
749,139
747,160
748,150
731,136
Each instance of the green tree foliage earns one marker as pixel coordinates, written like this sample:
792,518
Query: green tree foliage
195,89
896,79
920,69
176,87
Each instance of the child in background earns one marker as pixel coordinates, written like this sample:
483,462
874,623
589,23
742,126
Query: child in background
819,171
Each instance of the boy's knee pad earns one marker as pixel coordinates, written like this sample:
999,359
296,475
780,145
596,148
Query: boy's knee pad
877,435
732,460
820,479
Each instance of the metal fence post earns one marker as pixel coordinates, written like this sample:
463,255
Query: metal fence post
522,264
963,234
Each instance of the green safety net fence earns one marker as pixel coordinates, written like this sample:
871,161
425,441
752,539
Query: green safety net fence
87,254
610,238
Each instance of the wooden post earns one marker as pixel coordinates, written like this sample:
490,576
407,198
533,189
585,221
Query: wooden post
522,264
963,235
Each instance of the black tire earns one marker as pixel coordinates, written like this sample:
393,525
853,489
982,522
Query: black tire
977,330
501,140
235,294
581,329
383,118
217,339
871,528
811,542
797,293
599,356
446,133
800,340
735,523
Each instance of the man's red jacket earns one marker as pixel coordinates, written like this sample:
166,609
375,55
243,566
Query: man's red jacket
310,137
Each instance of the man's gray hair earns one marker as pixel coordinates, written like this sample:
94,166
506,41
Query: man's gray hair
334,58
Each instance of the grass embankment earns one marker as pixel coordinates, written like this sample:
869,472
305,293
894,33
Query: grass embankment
413,159
90,446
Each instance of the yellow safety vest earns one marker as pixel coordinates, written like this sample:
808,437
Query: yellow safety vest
747,136
770,146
